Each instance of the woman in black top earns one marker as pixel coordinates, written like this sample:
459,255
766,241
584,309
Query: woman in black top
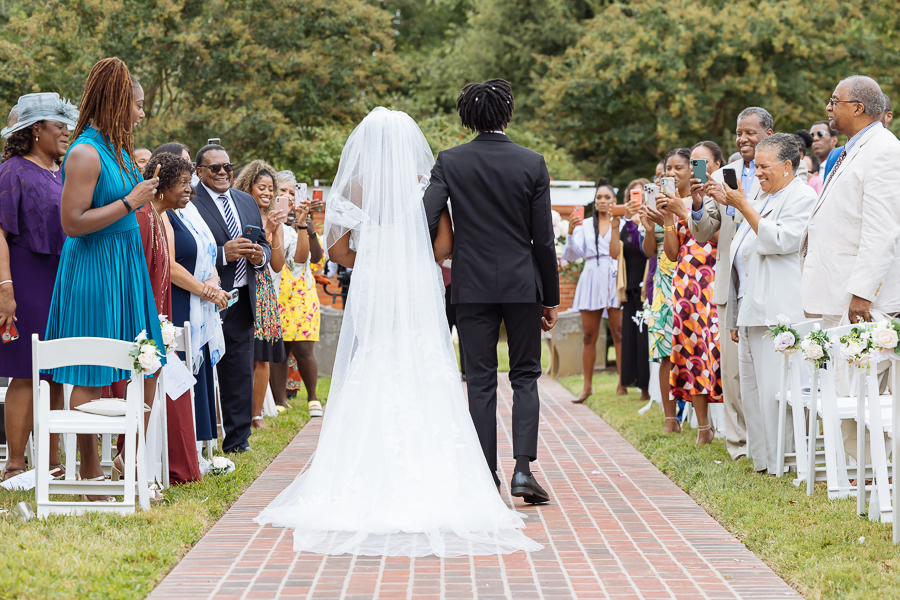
635,368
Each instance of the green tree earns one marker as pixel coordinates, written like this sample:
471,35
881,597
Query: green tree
268,77
650,76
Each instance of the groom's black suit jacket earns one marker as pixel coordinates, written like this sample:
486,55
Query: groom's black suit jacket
503,248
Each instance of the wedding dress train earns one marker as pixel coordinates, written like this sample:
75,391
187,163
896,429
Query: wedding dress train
399,469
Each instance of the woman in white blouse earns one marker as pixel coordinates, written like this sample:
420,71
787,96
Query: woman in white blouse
765,282
596,240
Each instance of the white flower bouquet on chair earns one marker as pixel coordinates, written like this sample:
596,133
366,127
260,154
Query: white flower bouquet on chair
783,335
857,347
885,336
146,355
815,347
170,333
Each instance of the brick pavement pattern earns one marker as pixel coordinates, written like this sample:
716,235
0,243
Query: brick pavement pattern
616,528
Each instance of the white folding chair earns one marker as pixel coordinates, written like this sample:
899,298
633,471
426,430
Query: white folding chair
99,352
895,450
29,445
873,412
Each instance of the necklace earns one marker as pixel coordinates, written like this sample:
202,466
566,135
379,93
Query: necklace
52,172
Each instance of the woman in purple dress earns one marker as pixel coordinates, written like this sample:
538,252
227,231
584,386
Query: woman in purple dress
31,240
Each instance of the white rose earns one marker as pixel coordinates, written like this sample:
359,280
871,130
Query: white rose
813,351
147,362
564,228
555,217
886,338
220,462
783,319
851,349
169,332
784,340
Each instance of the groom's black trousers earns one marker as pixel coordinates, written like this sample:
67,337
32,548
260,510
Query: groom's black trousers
479,325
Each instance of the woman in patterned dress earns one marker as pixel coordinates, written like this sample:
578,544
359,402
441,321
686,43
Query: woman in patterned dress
258,180
659,325
695,357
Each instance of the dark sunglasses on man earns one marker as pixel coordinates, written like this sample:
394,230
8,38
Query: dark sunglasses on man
214,169
819,134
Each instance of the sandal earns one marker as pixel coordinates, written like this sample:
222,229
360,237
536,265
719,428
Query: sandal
677,424
700,431
6,474
105,499
315,408
584,396
57,471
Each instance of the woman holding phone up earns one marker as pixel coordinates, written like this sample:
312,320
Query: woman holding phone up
596,240
695,346
298,300
258,180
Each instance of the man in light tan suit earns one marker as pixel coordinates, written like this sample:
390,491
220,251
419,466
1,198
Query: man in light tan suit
708,217
849,252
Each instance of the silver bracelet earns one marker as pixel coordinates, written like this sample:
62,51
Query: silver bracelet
6,281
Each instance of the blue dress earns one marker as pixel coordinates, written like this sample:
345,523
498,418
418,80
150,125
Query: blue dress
103,287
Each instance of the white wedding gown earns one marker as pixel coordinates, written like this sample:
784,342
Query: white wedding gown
399,469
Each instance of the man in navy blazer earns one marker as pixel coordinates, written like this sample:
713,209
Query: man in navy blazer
228,212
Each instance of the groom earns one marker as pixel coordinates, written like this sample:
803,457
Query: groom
504,268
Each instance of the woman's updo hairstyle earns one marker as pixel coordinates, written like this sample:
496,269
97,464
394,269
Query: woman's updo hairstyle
785,148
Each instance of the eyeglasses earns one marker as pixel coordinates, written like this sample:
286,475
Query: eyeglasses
834,100
214,169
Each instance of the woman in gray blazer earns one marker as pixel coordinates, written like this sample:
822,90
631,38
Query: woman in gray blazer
765,282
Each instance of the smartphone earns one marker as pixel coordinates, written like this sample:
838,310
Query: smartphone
637,196
578,212
11,335
667,185
281,203
650,192
232,298
699,166
730,176
252,232
214,142
299,195
618,210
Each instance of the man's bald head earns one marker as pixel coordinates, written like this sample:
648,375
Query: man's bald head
867,92
13,117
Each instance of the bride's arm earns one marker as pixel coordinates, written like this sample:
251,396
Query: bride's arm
443,242
341,253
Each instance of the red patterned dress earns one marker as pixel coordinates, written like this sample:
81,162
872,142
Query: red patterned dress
695,342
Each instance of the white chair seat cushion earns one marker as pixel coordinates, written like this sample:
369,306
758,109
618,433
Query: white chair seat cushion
107,407
73,421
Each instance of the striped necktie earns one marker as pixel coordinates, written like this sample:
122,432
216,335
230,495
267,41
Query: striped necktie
834,170
241,269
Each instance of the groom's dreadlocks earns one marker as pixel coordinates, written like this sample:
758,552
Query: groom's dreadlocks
486,106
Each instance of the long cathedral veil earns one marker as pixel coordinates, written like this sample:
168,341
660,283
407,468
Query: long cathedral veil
398,469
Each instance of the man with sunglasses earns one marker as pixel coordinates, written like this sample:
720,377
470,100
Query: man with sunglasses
825,139
228,212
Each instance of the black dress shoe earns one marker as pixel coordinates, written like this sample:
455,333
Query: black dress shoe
238,449
526,487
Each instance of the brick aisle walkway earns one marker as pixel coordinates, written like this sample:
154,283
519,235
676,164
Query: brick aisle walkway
617,528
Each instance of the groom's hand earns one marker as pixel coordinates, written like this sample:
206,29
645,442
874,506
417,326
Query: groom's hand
549,318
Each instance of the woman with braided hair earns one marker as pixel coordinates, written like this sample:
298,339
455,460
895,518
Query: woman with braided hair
596,241
102,287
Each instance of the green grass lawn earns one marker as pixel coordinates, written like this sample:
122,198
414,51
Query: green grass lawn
106,556
812,542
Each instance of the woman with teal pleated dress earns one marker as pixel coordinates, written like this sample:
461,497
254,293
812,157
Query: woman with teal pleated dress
103,286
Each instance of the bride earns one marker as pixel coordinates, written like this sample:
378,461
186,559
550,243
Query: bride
399,470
